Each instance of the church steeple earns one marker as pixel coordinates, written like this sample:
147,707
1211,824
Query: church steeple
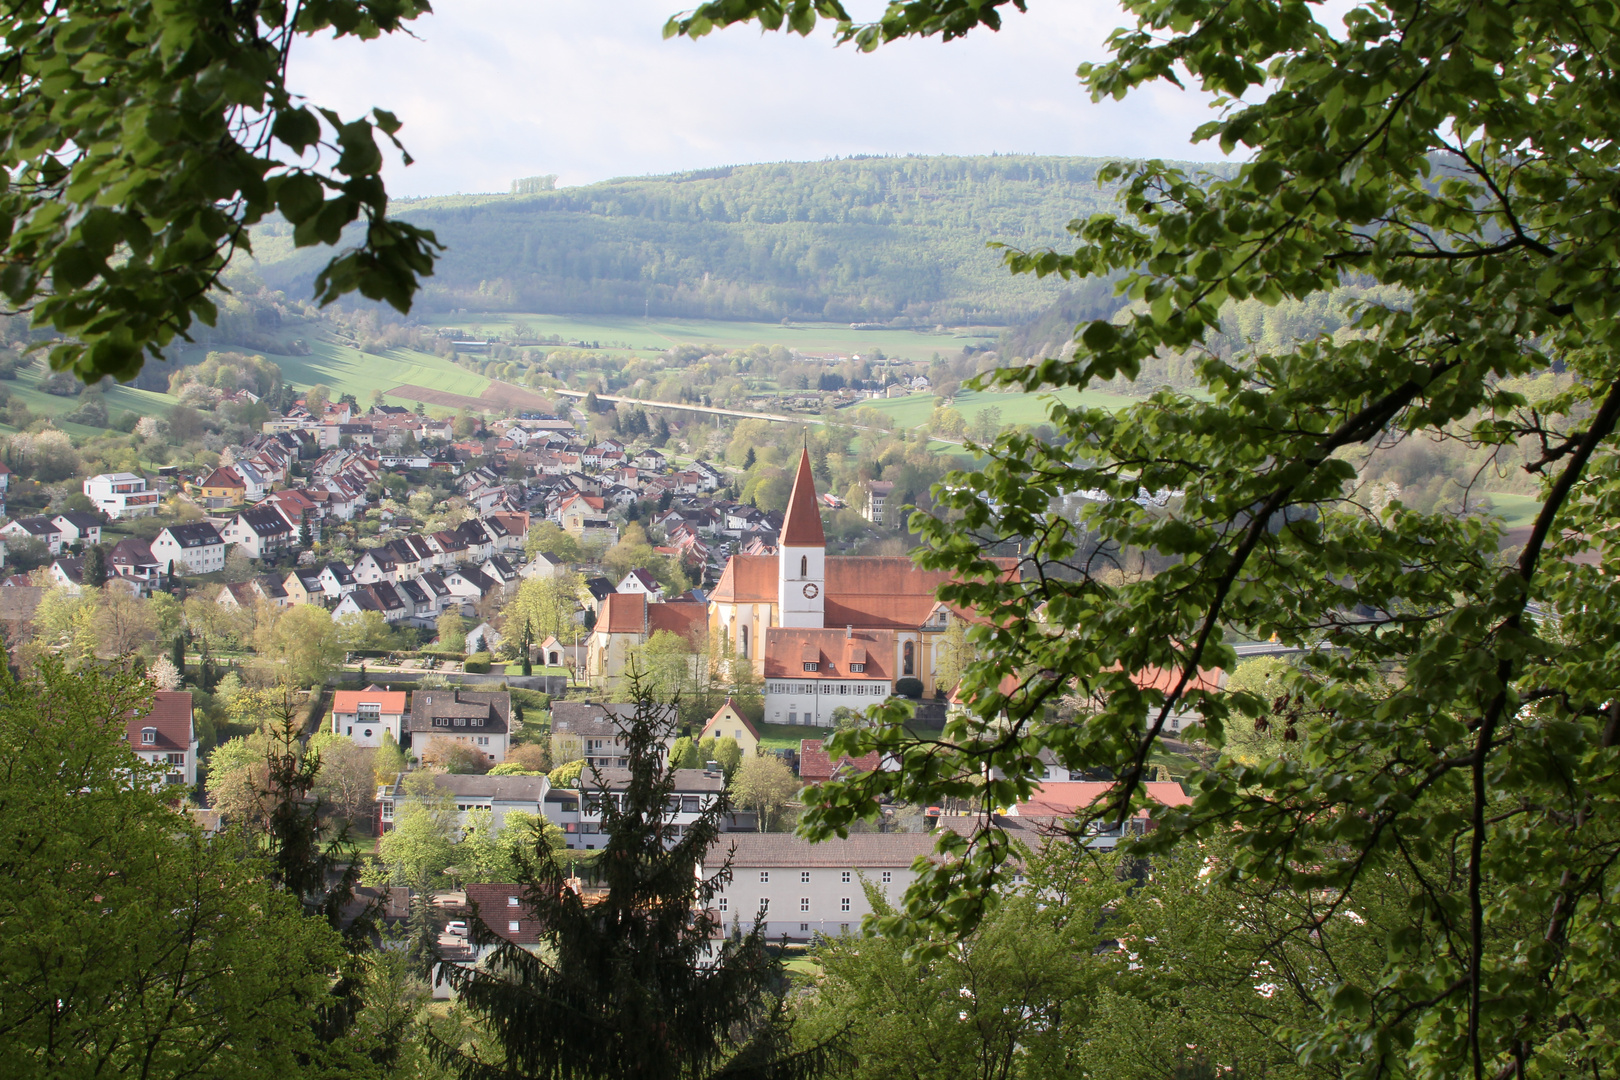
801,556
802,526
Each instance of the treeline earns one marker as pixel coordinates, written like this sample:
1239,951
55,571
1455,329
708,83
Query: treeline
874,239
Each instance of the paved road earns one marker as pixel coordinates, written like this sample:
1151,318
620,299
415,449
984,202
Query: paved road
744,414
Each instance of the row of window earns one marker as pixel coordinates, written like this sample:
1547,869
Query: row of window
459,721
871,689
804,904
804,876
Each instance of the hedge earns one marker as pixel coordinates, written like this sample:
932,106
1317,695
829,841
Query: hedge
477,664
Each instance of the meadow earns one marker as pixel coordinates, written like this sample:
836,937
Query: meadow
25,388
642,335
913,410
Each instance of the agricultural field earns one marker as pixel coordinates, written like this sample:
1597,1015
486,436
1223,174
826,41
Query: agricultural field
1515,511
25,388
641,335
913,410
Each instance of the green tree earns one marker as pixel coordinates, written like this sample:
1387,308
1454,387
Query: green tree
485,854
417,850
452,629
130,943
388,761
726,753
764,784
1450,154
632,983
302,641
95,566
550,537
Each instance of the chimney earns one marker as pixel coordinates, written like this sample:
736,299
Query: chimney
849,631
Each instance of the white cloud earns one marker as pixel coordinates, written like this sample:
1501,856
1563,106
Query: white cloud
491,90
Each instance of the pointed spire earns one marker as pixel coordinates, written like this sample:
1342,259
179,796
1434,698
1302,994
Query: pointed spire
802,527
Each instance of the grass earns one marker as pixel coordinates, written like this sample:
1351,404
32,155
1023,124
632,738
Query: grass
118,399
914,410
657,334
1514,510
788,736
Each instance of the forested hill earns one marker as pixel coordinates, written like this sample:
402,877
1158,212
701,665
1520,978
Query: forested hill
870,239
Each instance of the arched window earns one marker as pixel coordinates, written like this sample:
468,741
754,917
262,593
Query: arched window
742,642
804,566
909,662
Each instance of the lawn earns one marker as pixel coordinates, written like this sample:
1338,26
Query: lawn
787,736
658,334
914,409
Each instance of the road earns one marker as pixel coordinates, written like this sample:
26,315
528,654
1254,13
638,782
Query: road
743,414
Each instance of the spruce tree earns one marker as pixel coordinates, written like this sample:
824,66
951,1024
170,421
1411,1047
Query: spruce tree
95,566
638,982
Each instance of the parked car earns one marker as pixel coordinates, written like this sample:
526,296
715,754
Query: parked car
456,929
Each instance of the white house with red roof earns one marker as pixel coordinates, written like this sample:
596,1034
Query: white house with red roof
365,715
166,736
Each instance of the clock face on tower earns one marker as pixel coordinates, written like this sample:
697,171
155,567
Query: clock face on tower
810,591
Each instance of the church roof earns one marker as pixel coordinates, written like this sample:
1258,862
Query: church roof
748,579
802,527
874,591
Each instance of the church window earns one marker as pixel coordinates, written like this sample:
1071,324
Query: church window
804,566
909,659
742,642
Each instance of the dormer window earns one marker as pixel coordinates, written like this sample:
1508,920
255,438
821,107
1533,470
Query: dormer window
809,666
148,736
857,668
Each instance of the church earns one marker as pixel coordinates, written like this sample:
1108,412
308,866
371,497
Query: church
829,632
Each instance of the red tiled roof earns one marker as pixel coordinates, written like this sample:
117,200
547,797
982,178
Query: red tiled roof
816,766
392,702
683,618
1064,798
747,579
788,649
802,527
171,716
1165,679
623,613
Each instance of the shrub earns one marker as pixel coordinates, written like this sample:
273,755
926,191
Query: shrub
567,775
909,687
477,664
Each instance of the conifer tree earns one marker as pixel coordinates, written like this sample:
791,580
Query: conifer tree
637,982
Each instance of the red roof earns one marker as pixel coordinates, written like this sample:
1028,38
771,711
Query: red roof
686,619
390,702
1064,798
1165,679
788,649
747,579
622,613
802,527
815,766
171,719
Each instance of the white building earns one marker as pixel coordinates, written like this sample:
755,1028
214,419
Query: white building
579,812
122,495
167,737
197,547
810,673
366,715
806,889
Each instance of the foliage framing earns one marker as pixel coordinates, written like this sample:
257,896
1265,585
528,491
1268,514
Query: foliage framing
1460,152
141,139
634,982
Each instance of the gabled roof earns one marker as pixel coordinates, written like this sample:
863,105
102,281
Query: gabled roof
622,613
79,519
747,579
785,850
226,477
802,527
493,707
788,649
685,619
731,713
816,765
265,521
1065,798
195,535
132,551
391,702
595,718
170,716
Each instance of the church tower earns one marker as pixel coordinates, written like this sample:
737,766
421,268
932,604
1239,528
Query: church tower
801,559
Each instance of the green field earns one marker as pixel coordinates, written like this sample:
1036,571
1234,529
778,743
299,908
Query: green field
658,334
914,409
1514,510
25,388
787,736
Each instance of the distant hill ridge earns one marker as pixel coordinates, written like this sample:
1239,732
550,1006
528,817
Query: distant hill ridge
857,239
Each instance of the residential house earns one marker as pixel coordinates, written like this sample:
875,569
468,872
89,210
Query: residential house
878,494
261,532
543,565
220,488
597,589
255,484
197,548
729,723
42,529
366,715
132,558
500,795
817,767
594,732
166,736
78,527
238,594
337,580
380,596
121,495
626,621
270,589
303,585
377,564
483,638
579,812
476,718
641,581
469,586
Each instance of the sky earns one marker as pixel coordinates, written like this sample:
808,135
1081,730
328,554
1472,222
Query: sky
493,90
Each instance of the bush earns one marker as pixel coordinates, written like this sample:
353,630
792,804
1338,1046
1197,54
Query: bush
909,687
567,775
477,664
